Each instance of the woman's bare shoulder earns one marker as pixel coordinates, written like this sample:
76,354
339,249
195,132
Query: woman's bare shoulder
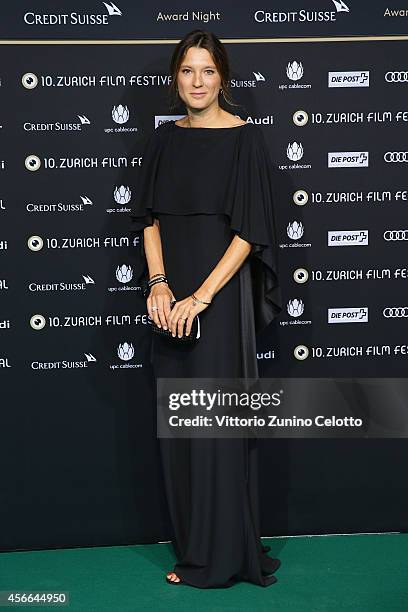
238,122
181,122
233,120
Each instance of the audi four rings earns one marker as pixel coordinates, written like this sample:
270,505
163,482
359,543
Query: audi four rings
396,156
396,77
396,312
395,235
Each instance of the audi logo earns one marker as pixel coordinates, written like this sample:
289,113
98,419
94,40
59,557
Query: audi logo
396,156
396,77
395,312
395,235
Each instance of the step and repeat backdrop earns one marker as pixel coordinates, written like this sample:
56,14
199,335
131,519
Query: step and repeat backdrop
81,88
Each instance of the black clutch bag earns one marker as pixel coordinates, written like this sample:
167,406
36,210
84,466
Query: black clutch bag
192,337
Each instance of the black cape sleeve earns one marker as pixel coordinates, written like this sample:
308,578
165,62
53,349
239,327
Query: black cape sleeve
250,207
142,206
143,197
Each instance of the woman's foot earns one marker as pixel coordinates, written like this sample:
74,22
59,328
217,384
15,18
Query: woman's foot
172,577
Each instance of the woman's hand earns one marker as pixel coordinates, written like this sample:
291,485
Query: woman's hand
183,312
158,303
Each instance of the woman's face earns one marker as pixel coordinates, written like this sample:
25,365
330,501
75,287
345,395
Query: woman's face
198,75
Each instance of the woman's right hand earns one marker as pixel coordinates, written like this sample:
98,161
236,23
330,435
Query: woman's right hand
160,296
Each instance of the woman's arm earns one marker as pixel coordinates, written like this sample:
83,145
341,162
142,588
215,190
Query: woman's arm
153,248
233,258
229,264
160,294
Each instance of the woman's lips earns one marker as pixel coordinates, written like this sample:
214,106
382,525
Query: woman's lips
198,95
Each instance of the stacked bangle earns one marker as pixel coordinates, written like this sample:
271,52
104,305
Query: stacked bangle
157,278
162,278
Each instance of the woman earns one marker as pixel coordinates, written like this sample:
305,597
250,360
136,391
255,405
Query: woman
205,207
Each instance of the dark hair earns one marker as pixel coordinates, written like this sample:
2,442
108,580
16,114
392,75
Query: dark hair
205,40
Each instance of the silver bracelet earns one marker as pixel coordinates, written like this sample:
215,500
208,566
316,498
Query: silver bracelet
196,300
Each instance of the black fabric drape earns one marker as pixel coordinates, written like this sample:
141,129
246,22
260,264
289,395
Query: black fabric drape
248,200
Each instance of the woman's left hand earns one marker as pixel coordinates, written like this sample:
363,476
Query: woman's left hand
183,312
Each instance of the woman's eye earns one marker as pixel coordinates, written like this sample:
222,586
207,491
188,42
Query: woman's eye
188,70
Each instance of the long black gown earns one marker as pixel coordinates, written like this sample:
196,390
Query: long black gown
205,185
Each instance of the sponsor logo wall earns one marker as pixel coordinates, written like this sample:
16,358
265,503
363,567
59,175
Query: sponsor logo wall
73,139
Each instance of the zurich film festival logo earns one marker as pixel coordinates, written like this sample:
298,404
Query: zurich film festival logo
66,19
348,315
347,159
300,117
303,16
350,78
32,162
300,197
35,243
300,276
29,80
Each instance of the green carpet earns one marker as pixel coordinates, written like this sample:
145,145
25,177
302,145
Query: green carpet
363,573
